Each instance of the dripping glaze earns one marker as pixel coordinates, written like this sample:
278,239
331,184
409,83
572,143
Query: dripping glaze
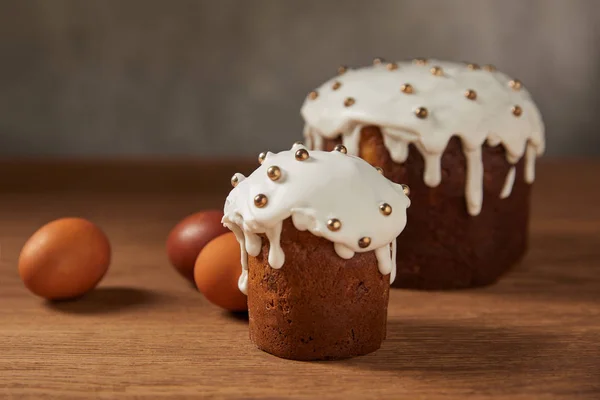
435,109
313,190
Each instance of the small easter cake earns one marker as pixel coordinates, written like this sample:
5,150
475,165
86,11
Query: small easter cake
463,137
317,233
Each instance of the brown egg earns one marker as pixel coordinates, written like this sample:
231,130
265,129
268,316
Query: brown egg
217,271
64,259
190,236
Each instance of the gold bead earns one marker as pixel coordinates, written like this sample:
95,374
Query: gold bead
313,95
234,181
407,88
301,155
391,66
473,67
385,208
349,101
364,242
517,111
421,112
379,169
261,157
336,85
341,148
378,60
437,71
260,200
334,224
420,61
405,189
489,68
515,84
274,173
471,94
342,69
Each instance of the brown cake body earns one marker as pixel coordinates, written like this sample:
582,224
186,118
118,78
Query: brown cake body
443,247
318,306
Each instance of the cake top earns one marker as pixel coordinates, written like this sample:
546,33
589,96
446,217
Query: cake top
331,194
428,101
323,187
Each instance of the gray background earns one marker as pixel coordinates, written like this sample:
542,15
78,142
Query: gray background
221,78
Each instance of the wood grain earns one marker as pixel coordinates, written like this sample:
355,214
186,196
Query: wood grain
146,333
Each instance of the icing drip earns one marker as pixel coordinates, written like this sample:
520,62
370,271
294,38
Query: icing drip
489,116
508,184
330,194
239,235
474,187
393,274
384,259
351,141
276,256
530,163
343,251
432,176
398,148
317,140
253,244
307,134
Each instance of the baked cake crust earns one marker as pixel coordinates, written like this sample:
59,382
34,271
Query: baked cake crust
442,246
318,306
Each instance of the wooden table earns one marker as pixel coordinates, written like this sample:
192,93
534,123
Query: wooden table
146,333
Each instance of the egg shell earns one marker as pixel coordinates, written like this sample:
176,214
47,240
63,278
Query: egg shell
189,237
64,259
217,271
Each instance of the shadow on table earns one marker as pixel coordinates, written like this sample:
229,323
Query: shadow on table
455,349
106,300
241,316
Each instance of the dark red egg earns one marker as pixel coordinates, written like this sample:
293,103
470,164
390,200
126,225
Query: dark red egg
189,237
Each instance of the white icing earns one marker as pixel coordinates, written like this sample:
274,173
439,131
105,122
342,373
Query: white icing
327,185
508,184
379,101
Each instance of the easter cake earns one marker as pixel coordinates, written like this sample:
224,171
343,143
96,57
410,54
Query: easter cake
463,137
317,232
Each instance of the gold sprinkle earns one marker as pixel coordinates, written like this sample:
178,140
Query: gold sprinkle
407,88
235,180
342,69
437,71
313,95
385,208
334,224
301,155
349,101
405,189
473,67
336,85
274,173
420,61
471,94
260,200
517,111
379,169
421,112
261,157
391,66
364,242
341,148
378,60
489,68
515,84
